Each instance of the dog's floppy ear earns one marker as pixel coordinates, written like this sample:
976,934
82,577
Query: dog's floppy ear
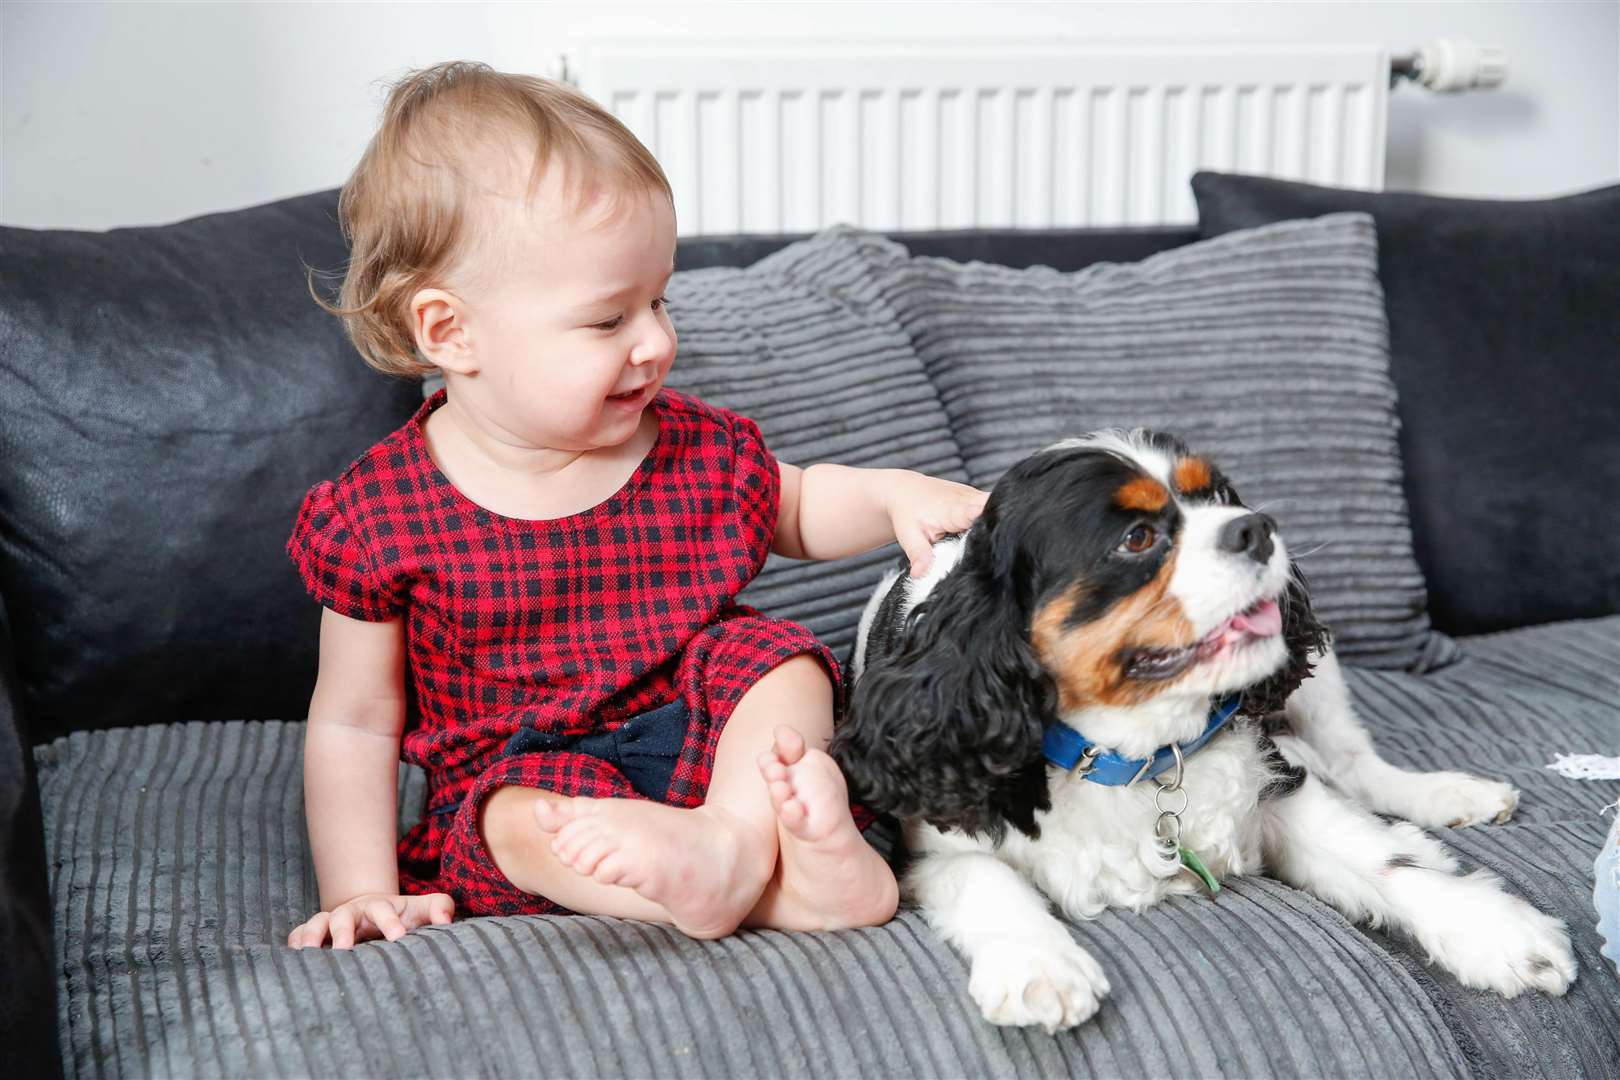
948,726
1306,639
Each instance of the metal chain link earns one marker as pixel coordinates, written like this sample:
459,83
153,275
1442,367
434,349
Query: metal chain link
1167,829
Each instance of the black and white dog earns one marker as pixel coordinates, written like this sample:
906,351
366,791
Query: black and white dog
1112,688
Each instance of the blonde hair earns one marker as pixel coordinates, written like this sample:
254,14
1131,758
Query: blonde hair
405,208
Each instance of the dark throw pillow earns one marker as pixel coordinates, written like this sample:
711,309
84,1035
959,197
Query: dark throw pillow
170,393
1504,324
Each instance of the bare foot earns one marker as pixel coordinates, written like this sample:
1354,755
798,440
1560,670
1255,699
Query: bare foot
826,864
704,866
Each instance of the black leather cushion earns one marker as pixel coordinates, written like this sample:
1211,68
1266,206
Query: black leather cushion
28,990
1504,323
170,393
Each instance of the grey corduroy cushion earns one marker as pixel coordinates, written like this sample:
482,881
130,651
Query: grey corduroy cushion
1265,349
1513,702
179,863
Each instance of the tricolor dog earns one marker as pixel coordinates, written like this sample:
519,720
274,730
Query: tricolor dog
1112,688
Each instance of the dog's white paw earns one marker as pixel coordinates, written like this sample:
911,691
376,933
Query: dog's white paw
1504,944
1453,799
1055,985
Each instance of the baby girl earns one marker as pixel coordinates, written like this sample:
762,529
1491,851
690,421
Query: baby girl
551,548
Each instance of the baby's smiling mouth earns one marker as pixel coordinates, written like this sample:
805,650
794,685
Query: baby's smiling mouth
1262,619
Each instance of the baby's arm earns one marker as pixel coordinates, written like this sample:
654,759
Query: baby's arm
351,762
832,511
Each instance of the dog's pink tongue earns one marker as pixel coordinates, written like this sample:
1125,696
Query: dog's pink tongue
1263,620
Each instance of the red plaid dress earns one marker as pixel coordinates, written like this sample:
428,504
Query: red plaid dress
557,628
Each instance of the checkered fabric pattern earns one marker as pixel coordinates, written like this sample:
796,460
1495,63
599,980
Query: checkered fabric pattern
566,625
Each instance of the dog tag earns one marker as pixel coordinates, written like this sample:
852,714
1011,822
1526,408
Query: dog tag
1191,861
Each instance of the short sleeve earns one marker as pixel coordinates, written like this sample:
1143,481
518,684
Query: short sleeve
756,484
336,568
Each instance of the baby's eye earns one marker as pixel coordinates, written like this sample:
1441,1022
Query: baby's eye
609,325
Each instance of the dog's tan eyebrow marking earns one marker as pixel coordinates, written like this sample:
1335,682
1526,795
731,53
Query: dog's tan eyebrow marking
1192,474
1142,493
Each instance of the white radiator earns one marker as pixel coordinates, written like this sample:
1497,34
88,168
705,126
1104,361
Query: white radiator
773,137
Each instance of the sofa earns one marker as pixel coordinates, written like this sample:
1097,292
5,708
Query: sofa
170,392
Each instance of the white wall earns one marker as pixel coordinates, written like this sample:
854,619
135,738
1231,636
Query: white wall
138,113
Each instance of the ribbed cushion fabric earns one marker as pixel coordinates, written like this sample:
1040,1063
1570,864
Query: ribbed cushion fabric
179,863
1513,702
1266,350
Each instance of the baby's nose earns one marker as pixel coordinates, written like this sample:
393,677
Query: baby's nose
656,344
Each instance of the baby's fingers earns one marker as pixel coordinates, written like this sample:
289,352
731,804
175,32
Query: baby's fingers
435,908
385,919
972,507
311,934
918,548
343,927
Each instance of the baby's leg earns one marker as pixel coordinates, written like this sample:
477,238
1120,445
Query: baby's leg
731,862
827,876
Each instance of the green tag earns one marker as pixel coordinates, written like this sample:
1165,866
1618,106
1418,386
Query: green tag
1192,862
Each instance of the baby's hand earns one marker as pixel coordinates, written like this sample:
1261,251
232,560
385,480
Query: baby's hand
924,508
372,915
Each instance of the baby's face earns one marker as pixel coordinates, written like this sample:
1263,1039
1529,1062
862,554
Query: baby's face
565,311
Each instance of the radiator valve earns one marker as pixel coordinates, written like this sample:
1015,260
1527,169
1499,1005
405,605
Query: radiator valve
1447,66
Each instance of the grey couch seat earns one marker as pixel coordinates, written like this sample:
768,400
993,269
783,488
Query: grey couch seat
179,861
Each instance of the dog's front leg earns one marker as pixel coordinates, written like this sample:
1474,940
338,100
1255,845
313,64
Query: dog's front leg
1395,874
1320,713
1025,969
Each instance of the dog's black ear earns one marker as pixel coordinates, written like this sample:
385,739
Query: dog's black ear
948,726
1306,638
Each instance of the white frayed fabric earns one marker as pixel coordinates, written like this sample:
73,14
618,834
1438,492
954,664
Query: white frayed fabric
1587,767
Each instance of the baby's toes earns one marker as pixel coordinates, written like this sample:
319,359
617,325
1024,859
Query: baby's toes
582,848
788,744
792,813
572,838
613,869
590,858
782,791
772,767
819,781
552,814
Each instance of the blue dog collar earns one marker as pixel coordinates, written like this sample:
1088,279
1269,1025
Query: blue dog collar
1067,748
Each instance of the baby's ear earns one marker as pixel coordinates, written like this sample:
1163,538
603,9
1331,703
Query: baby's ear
1306,639
439,325
948,727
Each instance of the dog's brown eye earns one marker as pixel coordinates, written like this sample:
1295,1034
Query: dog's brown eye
1139,539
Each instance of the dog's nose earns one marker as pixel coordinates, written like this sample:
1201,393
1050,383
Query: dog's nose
1250,533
